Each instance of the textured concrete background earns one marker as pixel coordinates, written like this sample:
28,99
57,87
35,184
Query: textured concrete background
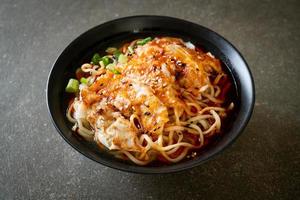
36,163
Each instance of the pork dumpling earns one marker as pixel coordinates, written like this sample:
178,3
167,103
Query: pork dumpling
119,135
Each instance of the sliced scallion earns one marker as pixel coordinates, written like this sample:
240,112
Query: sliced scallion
73,86
105,60
111,68
83,80
130,49
115,71
117,53
96,59
144,41
122,58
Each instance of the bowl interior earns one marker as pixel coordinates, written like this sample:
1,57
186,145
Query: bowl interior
119,31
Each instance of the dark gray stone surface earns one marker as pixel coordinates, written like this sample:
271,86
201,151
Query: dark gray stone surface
36,163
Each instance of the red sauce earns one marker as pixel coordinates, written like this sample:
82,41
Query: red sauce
79,74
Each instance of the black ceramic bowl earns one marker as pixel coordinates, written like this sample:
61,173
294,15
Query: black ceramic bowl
125,29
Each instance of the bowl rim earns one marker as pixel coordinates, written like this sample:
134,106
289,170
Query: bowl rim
156,170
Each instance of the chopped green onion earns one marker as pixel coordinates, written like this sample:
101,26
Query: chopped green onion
83,80
111,50
73,86
122,58
115,71
105,60
111,68
102,64
130,49
117,53
144,41
96,59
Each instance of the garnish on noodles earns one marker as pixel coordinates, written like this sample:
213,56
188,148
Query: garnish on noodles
151,99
